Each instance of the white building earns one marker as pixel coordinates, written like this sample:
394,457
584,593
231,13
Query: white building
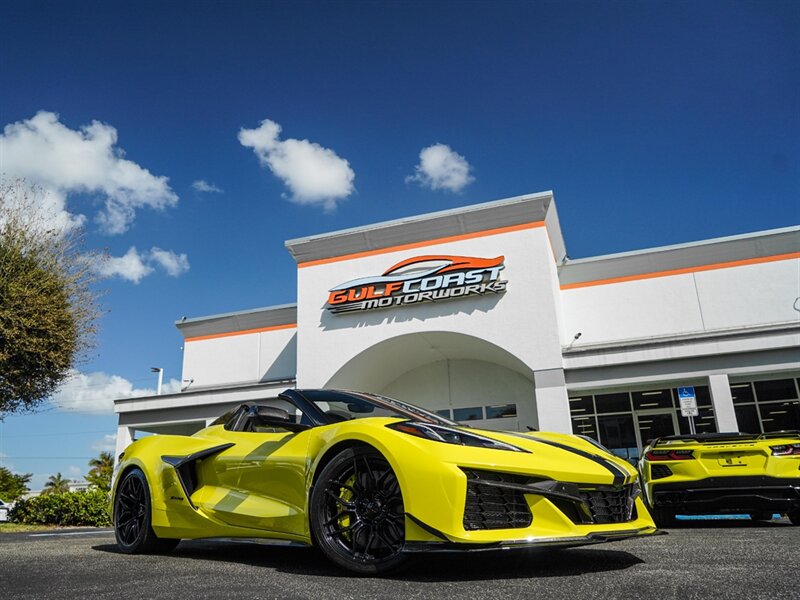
478,312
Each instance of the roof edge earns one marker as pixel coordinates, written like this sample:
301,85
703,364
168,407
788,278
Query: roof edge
417,218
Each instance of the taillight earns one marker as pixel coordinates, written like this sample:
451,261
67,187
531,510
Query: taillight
785,450
656,455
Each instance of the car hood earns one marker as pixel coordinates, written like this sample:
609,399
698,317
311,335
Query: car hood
565,454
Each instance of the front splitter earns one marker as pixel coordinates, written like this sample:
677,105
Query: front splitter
562,542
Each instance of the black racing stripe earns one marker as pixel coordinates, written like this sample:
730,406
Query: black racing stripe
620,476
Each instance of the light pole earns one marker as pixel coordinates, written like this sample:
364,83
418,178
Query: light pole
160,372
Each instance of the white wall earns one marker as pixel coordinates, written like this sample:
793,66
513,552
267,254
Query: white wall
758,294
522,321
743,296
243,358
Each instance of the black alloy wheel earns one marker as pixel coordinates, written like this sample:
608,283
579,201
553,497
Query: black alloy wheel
357,517
132,526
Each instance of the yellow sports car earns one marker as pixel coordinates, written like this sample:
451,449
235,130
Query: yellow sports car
370,480
723,473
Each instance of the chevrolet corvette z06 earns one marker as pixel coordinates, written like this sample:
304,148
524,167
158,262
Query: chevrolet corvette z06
723,473
370,480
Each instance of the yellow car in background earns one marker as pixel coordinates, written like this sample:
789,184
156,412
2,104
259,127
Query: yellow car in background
723,473
370,480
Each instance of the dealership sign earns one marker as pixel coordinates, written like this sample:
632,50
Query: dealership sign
420,279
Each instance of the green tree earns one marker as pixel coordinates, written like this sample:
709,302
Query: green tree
48,309
56,484
101,470
12,486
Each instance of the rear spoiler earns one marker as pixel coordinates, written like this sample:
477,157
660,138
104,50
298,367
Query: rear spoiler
727,437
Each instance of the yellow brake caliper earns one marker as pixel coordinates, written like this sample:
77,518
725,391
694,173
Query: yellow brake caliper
346,495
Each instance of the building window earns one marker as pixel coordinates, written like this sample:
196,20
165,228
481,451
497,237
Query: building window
780,416
777,389
618,435
501,412
654,399
581,405
625,421
742,393
473,413
611,403
585,426
701,393
747,418
765,406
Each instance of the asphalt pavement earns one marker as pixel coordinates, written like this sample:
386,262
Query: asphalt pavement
704,560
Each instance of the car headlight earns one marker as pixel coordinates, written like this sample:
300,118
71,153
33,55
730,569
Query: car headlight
449,435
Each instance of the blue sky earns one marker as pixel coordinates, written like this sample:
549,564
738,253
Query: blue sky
654,123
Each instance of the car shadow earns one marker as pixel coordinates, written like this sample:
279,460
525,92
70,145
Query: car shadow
443,567
728,523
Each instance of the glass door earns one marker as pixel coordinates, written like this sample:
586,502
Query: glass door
618,434
655,424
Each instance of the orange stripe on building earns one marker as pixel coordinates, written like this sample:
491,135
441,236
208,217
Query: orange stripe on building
212,336
683,271
423,244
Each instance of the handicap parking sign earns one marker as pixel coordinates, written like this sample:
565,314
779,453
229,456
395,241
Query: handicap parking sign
688,401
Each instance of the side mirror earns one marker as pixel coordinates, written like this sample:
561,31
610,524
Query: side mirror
268,416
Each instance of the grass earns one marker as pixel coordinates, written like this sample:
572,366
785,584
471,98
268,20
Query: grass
6,527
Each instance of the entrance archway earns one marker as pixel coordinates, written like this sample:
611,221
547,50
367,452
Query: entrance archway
463,376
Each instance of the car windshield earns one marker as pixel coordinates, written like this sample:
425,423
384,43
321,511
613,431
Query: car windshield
344,406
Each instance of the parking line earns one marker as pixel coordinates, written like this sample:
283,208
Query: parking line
70,533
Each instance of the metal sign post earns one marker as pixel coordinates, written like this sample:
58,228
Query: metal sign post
688,402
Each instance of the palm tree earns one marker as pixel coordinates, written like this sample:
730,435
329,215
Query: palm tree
101,470
56,485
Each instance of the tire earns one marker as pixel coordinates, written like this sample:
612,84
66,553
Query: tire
357,517
761,516
794,516
132,514
663,517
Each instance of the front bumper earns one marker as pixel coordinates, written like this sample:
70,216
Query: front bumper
558,542
728,495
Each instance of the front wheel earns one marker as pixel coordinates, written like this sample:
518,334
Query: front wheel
132,524
357,517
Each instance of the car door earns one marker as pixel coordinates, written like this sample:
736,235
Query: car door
259,482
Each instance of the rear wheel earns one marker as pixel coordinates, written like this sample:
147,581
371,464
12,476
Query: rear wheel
132,525
357,517
794,516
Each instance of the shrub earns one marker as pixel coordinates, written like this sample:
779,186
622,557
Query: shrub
88,508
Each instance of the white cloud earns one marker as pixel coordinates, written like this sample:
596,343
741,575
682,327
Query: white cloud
74,473
440,168
107,444
174,264
314,175
64,161
96,392
201,185
135,266
130,266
